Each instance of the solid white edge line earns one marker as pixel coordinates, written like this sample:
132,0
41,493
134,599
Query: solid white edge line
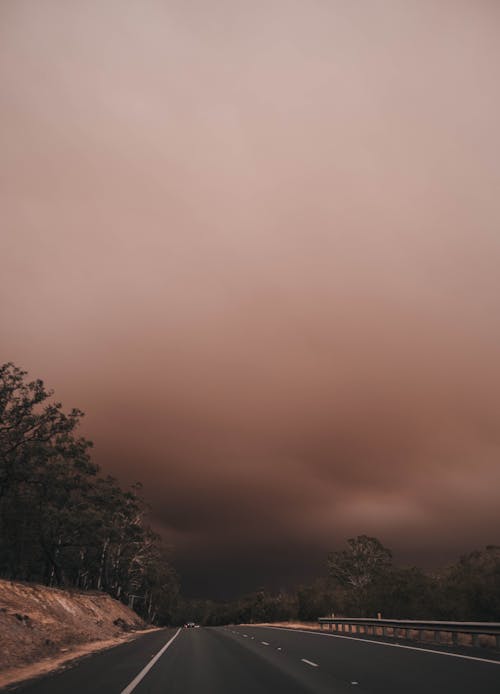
385,643
144,671
309,662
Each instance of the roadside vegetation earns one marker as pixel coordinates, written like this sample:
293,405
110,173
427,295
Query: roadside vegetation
362,580
61,522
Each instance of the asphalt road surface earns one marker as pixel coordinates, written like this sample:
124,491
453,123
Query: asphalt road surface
251,660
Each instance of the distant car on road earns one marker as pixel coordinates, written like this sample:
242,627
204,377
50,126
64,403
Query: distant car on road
189,625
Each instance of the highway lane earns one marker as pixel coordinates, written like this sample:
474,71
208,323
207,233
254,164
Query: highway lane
104,672
380,668
251,660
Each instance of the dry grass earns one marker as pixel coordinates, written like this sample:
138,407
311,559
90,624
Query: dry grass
47,626
312,626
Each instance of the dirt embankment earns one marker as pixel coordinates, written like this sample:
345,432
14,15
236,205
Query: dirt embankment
39,623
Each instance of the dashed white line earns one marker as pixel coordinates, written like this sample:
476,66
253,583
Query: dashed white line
309,662
391,645
144,671
264,643
245,636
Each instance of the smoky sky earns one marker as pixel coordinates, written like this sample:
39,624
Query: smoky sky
258,243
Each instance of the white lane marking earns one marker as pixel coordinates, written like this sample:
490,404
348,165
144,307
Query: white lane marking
392,645
245,636
264,643
279,649
144,671
309,662
354,682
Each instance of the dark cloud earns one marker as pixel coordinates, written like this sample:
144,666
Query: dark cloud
259,246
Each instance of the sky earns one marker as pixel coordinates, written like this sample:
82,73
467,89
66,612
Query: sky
258,243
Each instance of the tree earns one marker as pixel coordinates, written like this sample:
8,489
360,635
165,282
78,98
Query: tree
405,593
470,589
39,455
360,567
60,521
316,600
33,429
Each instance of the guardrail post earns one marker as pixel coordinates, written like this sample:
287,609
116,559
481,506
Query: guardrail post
417,629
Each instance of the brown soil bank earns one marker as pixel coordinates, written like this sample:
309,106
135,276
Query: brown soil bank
37,622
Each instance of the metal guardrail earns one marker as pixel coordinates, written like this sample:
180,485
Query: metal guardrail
403,628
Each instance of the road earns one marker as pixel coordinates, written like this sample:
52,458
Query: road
257,660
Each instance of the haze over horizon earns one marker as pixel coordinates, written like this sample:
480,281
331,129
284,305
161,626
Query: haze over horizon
258,244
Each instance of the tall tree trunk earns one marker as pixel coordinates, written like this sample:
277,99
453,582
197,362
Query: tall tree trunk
102,564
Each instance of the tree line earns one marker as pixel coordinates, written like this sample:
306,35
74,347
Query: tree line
62,523
362,580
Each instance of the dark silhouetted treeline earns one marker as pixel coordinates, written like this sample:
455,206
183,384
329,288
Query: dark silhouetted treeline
362,581
61,522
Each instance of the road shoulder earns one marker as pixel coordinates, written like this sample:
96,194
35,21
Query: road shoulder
18,675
